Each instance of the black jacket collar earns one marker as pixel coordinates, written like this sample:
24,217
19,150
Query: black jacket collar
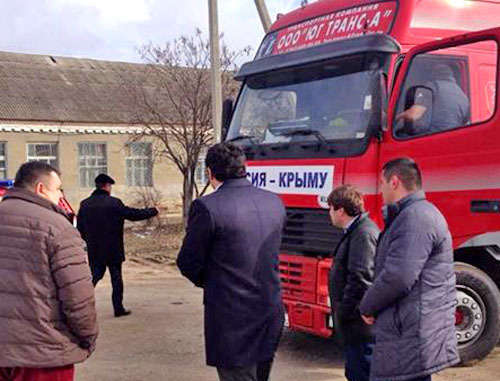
347,232
236,182
357,221
99,192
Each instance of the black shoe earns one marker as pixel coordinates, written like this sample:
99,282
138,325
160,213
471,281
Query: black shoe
123,312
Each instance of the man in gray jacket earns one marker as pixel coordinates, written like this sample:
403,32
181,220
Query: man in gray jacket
48,319
412,299
351,275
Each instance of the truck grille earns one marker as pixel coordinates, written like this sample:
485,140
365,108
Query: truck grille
309,232
298,277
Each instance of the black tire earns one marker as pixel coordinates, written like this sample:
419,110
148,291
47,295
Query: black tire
474,283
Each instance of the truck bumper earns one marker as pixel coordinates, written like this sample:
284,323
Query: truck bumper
311,318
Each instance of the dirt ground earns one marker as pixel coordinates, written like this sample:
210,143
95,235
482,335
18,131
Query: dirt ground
163,338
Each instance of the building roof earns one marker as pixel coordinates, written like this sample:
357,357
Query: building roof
60,89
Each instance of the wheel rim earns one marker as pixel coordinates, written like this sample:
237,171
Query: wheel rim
470,316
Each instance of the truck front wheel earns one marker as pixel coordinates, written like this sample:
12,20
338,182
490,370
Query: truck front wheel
477,317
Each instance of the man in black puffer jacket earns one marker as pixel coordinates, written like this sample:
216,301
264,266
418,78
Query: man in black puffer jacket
350,277
100,221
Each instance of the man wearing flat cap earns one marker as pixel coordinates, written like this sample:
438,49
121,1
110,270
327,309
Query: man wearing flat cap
100,221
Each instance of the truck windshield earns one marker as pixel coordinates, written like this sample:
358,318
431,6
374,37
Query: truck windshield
322,102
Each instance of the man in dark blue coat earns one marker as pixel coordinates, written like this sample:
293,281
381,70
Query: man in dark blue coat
100,221
231,251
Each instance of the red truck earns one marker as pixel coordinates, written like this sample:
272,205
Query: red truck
320,106
4,185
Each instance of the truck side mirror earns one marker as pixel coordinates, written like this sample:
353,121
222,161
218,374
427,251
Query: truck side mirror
383,101
227,113
378,120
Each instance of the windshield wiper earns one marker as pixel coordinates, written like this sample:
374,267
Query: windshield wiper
251,138
304,132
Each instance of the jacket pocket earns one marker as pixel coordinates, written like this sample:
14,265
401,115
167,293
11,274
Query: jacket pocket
385,326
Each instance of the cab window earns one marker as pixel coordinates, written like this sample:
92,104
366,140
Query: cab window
444,90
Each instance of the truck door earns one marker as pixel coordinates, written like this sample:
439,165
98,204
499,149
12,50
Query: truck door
443,113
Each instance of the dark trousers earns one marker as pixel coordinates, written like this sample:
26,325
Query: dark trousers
259,372
65,373
426,378
357,361
115,271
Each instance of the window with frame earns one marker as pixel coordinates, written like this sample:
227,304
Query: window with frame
44,152
92,160
3,160
444,91
139,164
200,174
433,80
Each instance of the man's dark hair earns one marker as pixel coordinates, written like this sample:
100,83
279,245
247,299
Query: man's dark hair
348,197
226,161
406,170
33,172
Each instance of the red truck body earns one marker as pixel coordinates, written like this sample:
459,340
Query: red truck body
460,167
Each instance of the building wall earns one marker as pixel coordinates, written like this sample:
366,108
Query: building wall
166,178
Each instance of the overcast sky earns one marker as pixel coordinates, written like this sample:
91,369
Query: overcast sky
113,29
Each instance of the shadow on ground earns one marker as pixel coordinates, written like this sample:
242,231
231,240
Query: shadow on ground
303,356
163,339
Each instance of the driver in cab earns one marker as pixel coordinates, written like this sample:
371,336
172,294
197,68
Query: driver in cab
444,107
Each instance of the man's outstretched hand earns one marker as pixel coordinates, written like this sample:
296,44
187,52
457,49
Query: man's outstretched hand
370,320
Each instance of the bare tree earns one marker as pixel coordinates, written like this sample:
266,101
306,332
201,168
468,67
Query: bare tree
173,100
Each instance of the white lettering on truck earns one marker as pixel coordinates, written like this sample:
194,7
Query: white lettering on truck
311,180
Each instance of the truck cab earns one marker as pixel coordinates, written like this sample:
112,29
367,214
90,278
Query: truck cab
325,103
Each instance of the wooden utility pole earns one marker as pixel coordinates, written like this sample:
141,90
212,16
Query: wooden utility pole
215,68
264,14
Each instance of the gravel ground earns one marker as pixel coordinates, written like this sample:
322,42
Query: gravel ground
163,338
